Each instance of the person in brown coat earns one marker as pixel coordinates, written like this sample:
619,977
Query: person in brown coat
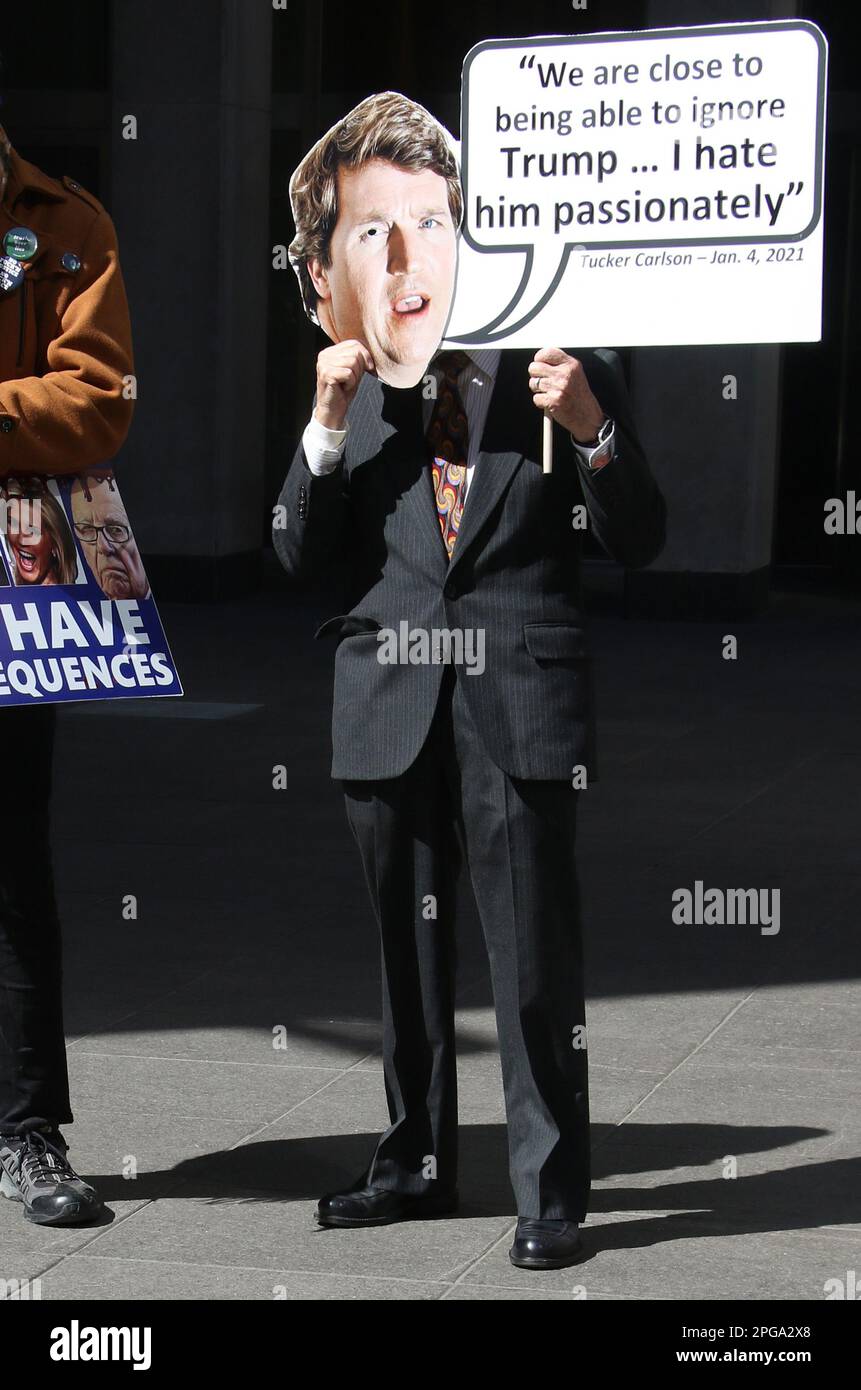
65,407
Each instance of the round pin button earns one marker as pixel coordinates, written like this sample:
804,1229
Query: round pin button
69,261
21,243
11,274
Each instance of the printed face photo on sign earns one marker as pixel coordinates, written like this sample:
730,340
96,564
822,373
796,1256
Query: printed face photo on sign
105,536
377,204
38,545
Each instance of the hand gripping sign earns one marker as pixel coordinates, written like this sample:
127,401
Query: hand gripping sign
660,187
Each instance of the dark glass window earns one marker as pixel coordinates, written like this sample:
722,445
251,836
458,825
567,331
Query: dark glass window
55,45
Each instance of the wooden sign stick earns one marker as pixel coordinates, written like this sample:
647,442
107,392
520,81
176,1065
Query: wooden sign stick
547,445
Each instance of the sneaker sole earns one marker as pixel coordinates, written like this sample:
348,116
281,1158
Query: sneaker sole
70,1216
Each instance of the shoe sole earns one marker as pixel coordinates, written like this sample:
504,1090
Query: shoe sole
417,1214
71,1216
560,1262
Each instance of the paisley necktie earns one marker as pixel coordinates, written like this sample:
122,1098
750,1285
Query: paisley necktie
448,440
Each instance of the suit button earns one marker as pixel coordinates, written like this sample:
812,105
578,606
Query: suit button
451,590
6,425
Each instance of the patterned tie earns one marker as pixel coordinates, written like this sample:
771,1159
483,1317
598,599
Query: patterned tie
448,440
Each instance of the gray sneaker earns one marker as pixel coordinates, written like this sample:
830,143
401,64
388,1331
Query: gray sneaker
34,1170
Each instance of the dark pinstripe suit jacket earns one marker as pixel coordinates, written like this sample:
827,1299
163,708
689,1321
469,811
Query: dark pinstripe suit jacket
514,572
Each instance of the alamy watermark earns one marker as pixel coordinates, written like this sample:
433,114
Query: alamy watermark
435,646
21,516
706,907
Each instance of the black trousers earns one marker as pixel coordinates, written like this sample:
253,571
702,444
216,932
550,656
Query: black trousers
34,1083
517,840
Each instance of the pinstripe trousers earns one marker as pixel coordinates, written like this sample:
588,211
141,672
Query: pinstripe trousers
454,806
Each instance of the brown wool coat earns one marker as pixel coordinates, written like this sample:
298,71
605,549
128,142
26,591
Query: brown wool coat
65,340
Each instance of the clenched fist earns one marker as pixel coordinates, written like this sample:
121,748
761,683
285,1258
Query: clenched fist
559,386
339,370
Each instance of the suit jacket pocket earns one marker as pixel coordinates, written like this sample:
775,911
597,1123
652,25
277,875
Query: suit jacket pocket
348,625
555,641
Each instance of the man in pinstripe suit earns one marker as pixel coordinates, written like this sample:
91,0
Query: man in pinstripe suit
430,507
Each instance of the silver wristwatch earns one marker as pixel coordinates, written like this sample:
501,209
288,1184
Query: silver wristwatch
602,450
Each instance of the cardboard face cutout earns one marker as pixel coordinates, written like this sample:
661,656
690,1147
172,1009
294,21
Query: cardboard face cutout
377,203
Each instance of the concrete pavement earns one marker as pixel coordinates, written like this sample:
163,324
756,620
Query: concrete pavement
223,1042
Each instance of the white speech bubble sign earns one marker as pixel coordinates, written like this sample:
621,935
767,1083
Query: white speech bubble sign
657,187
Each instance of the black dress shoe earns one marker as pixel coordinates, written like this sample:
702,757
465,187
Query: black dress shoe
545,1244
377,1206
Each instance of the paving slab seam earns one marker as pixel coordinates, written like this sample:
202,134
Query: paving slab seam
253,1134
593,1293
708,1222
207,1061
733,1011
250,1269
211,1115
186,984
507,1234
97,1235
748,801
660,745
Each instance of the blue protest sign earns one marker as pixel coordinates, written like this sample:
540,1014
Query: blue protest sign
77,617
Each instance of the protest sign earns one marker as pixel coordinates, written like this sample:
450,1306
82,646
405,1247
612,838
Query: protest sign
658,187
77,616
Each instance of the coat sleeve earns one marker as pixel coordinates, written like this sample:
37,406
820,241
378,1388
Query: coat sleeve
627,512
310,527
76,415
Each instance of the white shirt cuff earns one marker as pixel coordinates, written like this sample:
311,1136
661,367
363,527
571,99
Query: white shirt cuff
323,448
589,451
